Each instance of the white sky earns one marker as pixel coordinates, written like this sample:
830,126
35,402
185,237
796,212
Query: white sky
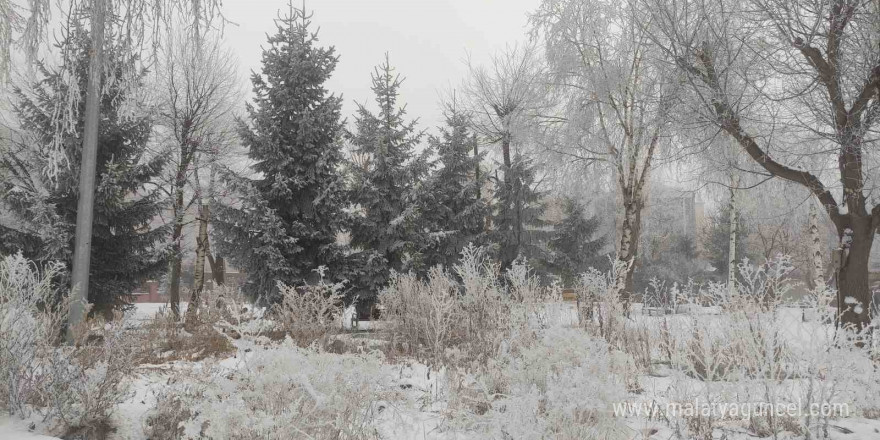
428,42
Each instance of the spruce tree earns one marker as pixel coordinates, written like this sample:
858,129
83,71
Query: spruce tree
385,231
573,246
284,226
451,205
126,246
519,230
716,241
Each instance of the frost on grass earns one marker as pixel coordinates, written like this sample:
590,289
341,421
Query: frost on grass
562,385
284,392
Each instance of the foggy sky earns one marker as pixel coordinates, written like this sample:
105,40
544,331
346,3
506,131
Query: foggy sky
428,42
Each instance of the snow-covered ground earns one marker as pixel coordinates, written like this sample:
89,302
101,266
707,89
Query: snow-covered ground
146,311
420,406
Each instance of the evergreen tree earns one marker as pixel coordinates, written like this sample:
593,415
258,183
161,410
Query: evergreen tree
573,246
125,247
450,201
286,223
386,231
519,230
673,259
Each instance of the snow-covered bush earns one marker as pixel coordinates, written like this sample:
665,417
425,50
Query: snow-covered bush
31,322
600,306
465,317
561,386
422,313
833,367
163,338
285,392
308,314
83,384
757,350
74,387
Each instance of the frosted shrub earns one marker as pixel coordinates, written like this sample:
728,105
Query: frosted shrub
466,317
600,305
163,338
282,393
759,351
85,383
563,386
74,387
486,309
538,306
833,367
422,313
30,323
308,314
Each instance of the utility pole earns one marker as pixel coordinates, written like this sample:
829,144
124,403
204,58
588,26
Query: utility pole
85,205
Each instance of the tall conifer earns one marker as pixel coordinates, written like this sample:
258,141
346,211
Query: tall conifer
284,224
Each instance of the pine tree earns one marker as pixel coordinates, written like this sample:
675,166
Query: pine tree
386,232
450,201
126,248
519,231
286,223
573,245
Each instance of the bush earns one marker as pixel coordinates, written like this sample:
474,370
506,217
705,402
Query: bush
600,306
308,314
163,338
31,322
74,387
287,392
465,317
561,386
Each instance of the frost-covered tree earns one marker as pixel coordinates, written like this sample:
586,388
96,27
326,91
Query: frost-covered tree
574,245
505,99
198,84
385,228
793,83
518,231
133,23
450,200
125,248
284,225
619,96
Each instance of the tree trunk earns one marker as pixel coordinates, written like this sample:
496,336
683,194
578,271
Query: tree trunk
199,275
510,247
854,290
176,263
816,263
731,250
629,245
176,236
218,268
174,282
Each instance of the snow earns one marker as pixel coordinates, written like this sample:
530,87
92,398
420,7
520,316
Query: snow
16,429
146,311
418,403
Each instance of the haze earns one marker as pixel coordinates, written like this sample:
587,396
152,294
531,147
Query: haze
428,42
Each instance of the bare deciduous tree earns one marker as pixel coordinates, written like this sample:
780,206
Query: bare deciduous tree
199,86
505,99
618,102
808,68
